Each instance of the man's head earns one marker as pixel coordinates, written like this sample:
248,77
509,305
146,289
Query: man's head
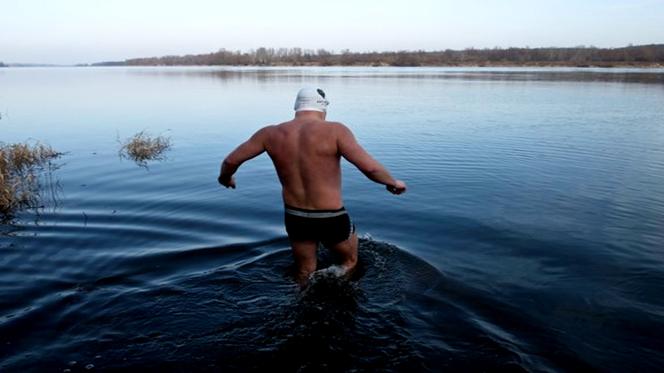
312,99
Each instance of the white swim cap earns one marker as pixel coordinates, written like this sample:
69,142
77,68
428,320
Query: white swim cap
311,99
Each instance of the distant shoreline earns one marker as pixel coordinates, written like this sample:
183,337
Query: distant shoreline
602,66
642,56
631,56
584,66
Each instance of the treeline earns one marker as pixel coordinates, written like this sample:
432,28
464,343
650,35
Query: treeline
2,65
643,55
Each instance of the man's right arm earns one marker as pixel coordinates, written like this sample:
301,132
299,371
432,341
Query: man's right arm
247,150
352,151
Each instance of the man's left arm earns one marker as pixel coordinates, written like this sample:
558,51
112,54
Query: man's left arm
247,150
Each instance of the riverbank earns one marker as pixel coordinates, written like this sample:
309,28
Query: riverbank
631,56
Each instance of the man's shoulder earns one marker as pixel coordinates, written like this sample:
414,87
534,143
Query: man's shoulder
336,126
274,127
265,131
332,126
339,129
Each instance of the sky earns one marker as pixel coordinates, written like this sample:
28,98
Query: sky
86,31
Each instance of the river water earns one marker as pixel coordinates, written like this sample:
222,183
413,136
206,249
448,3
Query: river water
530,237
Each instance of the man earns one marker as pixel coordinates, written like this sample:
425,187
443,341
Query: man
306,152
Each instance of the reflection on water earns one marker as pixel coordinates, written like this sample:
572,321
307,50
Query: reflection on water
530,238
619,75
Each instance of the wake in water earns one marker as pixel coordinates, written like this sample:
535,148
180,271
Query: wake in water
169,311
163,311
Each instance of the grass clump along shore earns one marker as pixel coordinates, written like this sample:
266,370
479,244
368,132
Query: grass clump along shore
19,179
142,147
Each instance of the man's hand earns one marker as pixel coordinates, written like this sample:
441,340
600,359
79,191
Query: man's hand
398,187
228,182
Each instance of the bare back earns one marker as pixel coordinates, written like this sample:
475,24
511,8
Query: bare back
306,152
306,155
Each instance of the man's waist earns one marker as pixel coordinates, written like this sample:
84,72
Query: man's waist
314,213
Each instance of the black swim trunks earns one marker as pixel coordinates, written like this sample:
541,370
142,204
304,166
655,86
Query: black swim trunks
327,226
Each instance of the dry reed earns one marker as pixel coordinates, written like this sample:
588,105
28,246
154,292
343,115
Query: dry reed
143,147
19,182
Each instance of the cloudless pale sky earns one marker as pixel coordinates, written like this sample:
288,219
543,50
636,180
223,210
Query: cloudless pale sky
83,31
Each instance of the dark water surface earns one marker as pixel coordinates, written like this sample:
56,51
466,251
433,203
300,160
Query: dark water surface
530,239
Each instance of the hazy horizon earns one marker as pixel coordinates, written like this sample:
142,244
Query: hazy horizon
78,31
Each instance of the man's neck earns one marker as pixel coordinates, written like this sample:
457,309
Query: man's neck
310,114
